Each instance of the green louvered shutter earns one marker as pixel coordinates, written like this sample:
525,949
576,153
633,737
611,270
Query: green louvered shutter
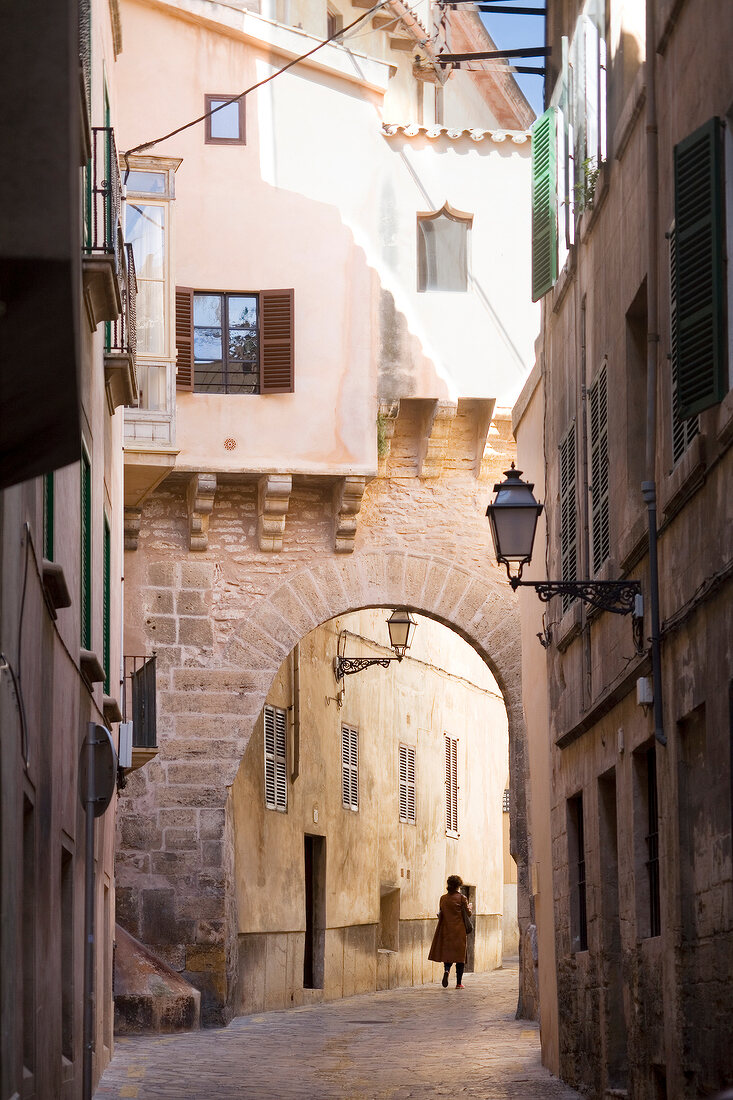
106,603
544,203
699,229
86,552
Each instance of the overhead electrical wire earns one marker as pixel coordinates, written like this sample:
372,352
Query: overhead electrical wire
235,99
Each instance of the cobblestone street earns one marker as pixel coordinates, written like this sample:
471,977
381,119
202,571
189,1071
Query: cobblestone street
421,1042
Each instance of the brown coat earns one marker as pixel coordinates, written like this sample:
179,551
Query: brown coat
449,941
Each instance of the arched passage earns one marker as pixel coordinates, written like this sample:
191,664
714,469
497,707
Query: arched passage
176,851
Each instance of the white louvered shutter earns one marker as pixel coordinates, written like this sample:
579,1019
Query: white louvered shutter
451,785
407,784
276,782
411,785
350,767
568,514
599,469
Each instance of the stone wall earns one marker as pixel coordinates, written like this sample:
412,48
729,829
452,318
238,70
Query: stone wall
223,619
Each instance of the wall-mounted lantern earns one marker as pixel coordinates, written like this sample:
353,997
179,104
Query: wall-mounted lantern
401,626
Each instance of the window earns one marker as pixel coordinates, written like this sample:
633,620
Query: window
683,431
146,230
139,701
451,786
599,487
350,767
699,352
86,551
276,778
652,843
225,125
334,22
106,586
442,249
576,867
568,514
235,342
407,784
646,847
48,488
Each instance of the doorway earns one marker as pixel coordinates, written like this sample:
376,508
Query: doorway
314,948
470,894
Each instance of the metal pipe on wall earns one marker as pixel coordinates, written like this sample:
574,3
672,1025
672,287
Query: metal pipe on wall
648,486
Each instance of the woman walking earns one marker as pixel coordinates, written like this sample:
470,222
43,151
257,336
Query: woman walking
449,941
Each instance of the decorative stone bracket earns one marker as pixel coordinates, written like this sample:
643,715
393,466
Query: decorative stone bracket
386,422
200,497
436,439
133,517
347,496
273,501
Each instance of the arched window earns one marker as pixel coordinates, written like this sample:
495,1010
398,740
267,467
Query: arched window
442,249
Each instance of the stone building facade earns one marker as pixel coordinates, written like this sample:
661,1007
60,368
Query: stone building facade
638,823
66,367
223,621
335,453
337,886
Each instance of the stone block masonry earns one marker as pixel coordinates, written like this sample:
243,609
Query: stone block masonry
223,619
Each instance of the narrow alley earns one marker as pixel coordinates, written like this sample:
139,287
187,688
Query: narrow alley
420,1042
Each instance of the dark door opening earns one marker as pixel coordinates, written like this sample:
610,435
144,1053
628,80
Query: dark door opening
315,912
470,892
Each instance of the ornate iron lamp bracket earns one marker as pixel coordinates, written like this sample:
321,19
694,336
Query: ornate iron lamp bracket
616,596
345,666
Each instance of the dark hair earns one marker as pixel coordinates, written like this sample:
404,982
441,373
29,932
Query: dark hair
454,881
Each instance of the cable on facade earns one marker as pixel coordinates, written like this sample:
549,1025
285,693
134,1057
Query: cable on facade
235,99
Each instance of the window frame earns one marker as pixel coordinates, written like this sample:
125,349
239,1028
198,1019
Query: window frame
451,785
85,549
406,785
460,217
209,99
106,600
277,758
349,767
225,295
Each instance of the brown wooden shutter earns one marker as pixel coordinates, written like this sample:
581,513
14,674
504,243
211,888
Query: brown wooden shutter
277,341
184,338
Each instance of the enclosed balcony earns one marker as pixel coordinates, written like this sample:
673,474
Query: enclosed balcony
120,350
103,240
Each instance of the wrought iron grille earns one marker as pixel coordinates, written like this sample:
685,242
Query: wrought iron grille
103,196
138,703
122,333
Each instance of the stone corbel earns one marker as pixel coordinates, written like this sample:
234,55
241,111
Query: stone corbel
273,501
386,422
347,496
436,439
132,527
200,497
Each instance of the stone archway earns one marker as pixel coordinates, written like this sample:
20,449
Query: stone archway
224,615
176,852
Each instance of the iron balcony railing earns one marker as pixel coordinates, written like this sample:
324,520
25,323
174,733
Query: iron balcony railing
121,334
103,196
138,700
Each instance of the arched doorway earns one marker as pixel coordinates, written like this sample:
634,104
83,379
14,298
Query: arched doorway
175,861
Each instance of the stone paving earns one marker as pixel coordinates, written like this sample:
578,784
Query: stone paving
418,1043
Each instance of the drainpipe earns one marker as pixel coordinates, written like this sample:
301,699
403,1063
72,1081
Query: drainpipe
648,487
295,769
89,899
586,681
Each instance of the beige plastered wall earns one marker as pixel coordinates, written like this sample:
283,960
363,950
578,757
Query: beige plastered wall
443,687
529,432
321,200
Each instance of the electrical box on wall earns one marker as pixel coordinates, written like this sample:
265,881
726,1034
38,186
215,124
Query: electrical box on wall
125,753
644,691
